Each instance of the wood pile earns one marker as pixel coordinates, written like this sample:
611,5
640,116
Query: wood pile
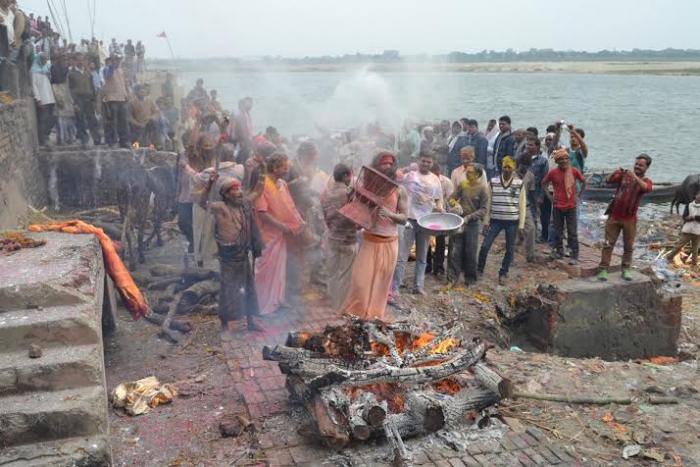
368,379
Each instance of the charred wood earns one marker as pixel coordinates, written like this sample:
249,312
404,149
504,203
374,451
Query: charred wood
493,380
459,362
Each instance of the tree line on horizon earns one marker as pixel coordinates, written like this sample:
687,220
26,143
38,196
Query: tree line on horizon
484,56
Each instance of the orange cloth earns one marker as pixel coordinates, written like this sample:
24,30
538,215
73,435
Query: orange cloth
130,293
277,201
371,277
271,267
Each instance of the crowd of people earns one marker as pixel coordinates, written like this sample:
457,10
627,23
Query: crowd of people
269,209
265,207
86,92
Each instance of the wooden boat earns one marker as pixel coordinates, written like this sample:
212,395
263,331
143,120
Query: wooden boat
598,190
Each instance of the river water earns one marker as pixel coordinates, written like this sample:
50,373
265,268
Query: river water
623,115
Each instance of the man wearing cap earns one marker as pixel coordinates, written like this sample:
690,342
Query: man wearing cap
563,179
506,211
622,215
237,237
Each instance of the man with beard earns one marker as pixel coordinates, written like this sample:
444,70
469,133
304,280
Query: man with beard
237,237
506,212
622,215
374,265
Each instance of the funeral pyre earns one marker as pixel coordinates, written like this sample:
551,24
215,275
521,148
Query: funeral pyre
369,379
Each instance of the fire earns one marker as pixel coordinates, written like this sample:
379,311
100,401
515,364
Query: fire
422,340
445,345
447,386
379,349
389,392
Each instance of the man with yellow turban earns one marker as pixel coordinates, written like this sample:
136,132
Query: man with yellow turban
563,178
506,212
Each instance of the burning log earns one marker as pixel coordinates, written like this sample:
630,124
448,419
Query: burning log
386,373
280,353
373,411
492,380
363,380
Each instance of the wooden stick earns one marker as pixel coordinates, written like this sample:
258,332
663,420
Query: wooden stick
602,400
492,380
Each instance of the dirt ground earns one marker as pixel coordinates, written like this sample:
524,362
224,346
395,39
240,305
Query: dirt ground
186,432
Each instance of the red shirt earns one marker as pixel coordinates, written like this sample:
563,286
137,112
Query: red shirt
556,176
628,195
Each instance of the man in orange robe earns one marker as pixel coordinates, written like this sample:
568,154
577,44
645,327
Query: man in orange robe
376,260
280,224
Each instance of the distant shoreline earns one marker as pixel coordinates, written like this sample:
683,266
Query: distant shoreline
689,68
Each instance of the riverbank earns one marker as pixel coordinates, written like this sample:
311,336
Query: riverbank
689,68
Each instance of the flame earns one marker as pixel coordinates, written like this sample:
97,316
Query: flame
389,392
422,340
445,345
447,386
379,349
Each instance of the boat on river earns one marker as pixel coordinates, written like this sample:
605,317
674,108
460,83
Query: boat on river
598,190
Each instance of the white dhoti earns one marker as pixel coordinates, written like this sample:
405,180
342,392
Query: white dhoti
205,249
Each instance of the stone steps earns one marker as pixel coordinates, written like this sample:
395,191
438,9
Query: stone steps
42,416
78,451
53,409
57,369
49,327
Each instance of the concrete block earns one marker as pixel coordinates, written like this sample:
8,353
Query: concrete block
614,320
53,407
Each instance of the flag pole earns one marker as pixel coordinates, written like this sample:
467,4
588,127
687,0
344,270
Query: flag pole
167,39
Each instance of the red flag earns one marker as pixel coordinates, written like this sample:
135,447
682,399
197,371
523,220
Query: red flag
162,34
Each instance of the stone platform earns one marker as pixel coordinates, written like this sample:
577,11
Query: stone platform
53,409
88,178
613,320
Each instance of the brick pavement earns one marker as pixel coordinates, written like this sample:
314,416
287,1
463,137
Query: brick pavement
262,388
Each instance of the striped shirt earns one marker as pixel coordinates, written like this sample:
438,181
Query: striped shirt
508,202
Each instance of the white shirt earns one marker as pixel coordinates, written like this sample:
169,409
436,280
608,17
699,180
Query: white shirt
692,227
8,18
41,85
423,190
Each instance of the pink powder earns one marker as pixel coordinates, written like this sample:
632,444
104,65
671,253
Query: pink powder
435,226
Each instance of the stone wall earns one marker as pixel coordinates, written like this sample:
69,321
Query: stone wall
21,181
614,320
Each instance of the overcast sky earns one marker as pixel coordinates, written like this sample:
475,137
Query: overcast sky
297,28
